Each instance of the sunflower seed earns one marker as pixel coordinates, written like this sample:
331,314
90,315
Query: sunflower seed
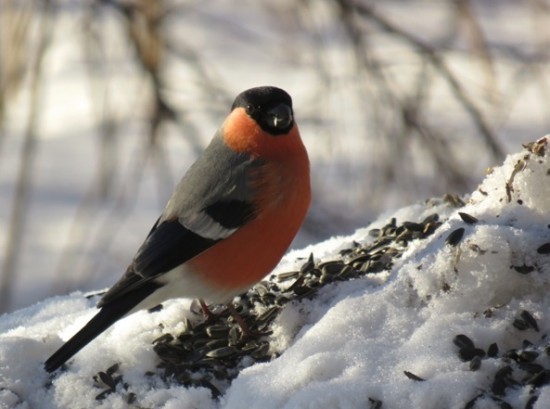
524,269
308,265
475,363
492,351
217,331
520,324
223,352
375,403
467,354
455,237
463,341
528,356
544,249
413,377
529,319
163,339
467,218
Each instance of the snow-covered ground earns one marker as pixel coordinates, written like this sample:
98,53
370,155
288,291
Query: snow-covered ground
384,340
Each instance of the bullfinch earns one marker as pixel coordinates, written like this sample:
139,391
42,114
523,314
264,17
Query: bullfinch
227,224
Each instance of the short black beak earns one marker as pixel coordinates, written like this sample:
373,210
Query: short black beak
280,117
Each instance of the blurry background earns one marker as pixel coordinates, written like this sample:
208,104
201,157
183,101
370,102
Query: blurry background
105,104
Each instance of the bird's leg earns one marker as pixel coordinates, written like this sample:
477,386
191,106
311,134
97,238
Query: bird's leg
205,310
245,331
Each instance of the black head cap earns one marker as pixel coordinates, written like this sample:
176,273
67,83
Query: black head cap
270,107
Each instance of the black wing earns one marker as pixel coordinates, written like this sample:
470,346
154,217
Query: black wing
168,245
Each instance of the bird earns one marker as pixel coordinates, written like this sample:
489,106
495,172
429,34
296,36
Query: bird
228,223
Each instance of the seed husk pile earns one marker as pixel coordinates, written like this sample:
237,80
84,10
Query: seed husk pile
524,366
212,351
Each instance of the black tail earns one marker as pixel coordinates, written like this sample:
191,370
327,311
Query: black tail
107,316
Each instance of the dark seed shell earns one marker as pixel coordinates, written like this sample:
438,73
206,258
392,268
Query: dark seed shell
112,369
106,379
467,354
470,404
475,363
463,341
413,377
217,331
544,249
529,319
524,269
287,276
528,356
531,368
163,339
531,402
375,403
539,379
520,324
467,218
308,265
502,380
103,394
492,351
455,237
223,352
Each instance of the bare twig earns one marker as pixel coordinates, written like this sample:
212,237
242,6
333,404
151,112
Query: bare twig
439,64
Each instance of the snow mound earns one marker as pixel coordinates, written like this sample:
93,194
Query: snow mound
460,321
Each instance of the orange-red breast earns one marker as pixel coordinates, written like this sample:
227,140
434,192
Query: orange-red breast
228,223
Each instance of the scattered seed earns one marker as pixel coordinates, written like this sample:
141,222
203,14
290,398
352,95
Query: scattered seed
502,380
217,331
470,404
475,363
374,233
462,341
520,324
106,379
531,402
539,379
538,147
413,377
163,339
375,403
492,351
112,369
455,237
156,308
544,248
131,398
528,356
215,349
453,200
524,269
223,352
467,354
308,265
467,218
531,367
527,317
287,276
103,394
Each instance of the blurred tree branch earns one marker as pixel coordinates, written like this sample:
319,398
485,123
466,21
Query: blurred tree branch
400,122
24,177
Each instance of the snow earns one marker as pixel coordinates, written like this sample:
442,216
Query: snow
350,346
